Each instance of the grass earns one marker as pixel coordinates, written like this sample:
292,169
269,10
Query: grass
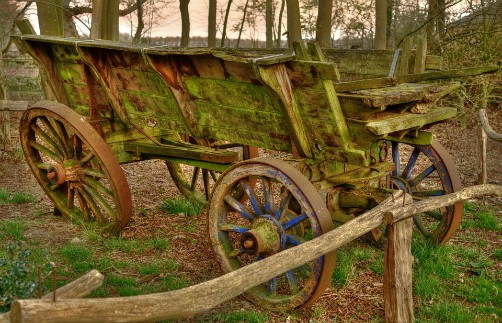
7,197
181,205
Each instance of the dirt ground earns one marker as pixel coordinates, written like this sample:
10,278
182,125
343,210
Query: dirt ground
150,183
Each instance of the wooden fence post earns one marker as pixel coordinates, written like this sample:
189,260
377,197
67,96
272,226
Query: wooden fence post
482,142
5,130
397,272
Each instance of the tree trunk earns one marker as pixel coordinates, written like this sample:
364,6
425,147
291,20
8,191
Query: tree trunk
70,30
294,22
388,31
105,19
185,23
242,23
431,24
137,35
323,25
211,24
380,24
50,18
279,24
269,23
225,23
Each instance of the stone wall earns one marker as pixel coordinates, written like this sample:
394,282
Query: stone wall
22,79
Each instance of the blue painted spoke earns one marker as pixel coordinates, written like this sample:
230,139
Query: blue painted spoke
235,253
294,239
260,257
237,206
428,193
295,221
421,227
290,278
272,286
411,163
283,205
435,215
234,228
255,203
267,194
396,158
429,170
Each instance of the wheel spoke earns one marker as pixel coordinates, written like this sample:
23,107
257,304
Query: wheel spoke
94,173
290,278
236,253
77,147
60,128
91,204
43,166
237,206
295,221
420,177
428,193
100,201
267,194
295,240
213,175
54,134
411,162
195,178
46,151
70,198
255,202
87,158
272,286
234,228
47,139
84,206
396,158
421,227
205,178
98,186
283,204
435,215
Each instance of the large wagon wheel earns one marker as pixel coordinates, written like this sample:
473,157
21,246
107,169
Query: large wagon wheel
75,166
425,171
264,224
195,183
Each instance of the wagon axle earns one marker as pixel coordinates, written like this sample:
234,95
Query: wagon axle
58,174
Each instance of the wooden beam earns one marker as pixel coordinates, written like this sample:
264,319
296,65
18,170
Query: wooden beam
397,272
413,78
78,288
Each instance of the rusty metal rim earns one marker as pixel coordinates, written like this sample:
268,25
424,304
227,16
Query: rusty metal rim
454,175
92,139
319,207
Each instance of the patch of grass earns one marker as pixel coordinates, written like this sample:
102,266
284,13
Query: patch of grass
12,229
161,243
239,316
498,254
7,197
124,245
124,285
181,205
75,252
344,268
481,218
445,311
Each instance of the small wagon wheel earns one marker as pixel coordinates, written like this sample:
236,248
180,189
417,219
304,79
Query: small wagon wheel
75,166
425,171
264,224
195,183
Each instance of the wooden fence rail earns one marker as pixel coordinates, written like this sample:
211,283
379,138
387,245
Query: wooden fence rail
199,298
485,131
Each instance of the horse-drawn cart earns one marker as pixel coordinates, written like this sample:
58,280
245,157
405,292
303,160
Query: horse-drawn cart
348,144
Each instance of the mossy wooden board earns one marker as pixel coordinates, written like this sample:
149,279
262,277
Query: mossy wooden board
71,72
239,125
65,53
229,93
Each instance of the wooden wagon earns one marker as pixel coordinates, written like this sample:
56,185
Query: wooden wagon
346,138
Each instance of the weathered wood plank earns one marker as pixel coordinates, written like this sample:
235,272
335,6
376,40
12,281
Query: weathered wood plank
413,78
420,55
189,152
405,57
397,273
403,121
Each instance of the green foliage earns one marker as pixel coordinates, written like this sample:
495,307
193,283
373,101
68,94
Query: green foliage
17,274
480,217
240,316
7,197
181,205
12,229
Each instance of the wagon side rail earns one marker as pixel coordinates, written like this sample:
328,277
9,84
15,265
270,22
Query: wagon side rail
196,299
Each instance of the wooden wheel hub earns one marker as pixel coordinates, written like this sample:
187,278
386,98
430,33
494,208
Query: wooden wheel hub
264,237
58,174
